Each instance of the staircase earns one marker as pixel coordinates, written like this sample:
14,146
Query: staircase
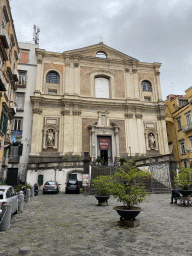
151,185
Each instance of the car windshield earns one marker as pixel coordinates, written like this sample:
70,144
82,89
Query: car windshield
1,189
50,183
72,181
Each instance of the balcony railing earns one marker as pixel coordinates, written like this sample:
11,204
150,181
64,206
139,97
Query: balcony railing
187,128
14,159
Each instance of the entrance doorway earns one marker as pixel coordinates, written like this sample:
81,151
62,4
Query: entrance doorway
12,176
104,156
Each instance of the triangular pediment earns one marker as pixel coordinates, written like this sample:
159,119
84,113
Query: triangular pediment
90,51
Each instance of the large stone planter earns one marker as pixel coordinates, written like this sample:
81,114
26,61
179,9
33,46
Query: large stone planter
102,200
127,213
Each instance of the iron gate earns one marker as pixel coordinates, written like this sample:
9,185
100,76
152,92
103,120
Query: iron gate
161,180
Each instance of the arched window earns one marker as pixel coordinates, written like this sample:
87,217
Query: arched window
53,77
146,86
101,87
101,54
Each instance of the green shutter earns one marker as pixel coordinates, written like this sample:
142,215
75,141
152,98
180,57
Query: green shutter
1,124
40,180
20,149
5,124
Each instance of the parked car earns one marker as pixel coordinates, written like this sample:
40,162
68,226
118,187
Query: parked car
72,186
8,195
51,186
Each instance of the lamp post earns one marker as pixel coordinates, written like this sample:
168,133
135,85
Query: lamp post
130,151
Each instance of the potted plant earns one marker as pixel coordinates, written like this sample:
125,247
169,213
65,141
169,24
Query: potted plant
129,191
103,187
122,160
99,161
184,181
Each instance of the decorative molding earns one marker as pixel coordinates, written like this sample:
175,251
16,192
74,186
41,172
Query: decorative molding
67,64
157,73
101,71
65,112
139,116
76,65
130,115
134,71
37,111
126,70
162,117
77,112
39,61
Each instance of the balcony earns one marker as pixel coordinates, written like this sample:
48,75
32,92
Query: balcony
187,128
14,159
4,38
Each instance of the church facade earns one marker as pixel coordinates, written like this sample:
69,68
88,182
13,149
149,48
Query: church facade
96,100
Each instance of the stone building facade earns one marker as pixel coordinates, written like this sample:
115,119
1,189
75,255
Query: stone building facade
179,127
97,100
9,52
22,123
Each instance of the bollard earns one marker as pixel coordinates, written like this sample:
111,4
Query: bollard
21,201
5,217
32,191
28,193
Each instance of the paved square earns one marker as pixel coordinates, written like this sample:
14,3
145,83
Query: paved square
59,224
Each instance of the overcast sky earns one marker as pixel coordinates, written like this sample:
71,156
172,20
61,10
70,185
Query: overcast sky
148,30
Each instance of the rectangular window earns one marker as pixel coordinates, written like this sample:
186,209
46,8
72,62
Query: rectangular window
183,102
184,164
188,118
52,91
20,101
17,124
182,146
24,57
3,23
10,49
147,99
22,78
3,124
72,176
179,123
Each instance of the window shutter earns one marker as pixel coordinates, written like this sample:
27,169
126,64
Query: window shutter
40,180
5,124
1,124
20,149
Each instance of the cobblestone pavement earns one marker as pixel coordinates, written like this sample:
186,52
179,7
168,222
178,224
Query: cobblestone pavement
62,224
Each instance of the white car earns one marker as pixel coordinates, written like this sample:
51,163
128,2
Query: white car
8,195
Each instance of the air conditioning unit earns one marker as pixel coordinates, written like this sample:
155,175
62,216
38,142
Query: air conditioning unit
188,149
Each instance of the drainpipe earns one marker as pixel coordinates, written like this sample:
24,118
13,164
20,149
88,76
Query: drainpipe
55,173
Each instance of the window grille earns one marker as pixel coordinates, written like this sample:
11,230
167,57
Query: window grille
146,86
53,77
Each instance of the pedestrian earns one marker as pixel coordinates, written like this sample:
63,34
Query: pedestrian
174,194
36,189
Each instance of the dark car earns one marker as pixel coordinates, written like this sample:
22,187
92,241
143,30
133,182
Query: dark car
72,186
51,186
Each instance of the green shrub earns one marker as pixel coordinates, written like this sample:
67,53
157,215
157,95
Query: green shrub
103,185
126,188
183,179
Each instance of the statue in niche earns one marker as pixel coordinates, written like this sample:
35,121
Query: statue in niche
50,138
151,138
